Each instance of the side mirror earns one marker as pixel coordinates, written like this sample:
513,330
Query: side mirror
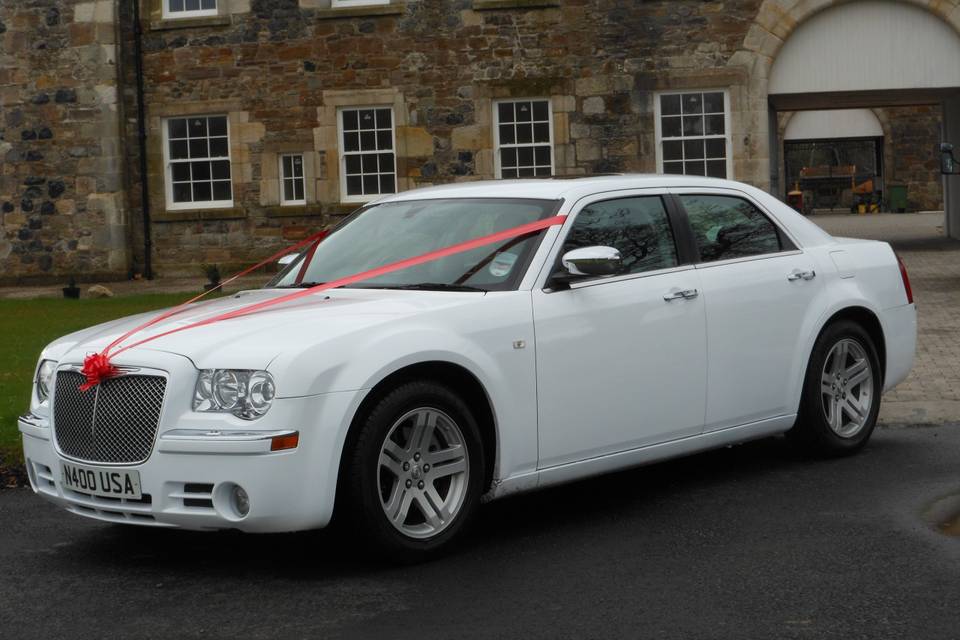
592,261
948,164
287,259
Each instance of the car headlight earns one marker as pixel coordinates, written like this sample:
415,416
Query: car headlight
43,381
245,394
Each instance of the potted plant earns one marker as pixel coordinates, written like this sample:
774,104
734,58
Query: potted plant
71,290
212,272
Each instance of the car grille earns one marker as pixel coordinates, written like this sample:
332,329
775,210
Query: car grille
115,421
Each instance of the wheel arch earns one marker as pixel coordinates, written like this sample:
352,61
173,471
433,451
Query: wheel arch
455,376
870,323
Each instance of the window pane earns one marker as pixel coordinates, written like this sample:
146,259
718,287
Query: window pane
542,155
198,148
191,5
371,184
384,140
287,163
202,192
368,140
524,133
351,141
675,168
384,119
505,111
182,192
218,148
387,184
507,134
208,4
353,164
726,227
509,173
367,119
543,172
369,163
715,125
298,189
354,186
541,110
201,170
350,121
297,162
717,168
386,162
288,190
197,127
525,156
220,170
508,157
541,132
221,190
181,172
693,149
218,126
524,114
637,227
670,127
670,105
692,103
713,103
178,149
716,148
176,5
693,125
526,172
695,168
177,128
673,150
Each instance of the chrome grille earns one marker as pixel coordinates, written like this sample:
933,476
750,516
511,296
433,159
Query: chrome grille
115,421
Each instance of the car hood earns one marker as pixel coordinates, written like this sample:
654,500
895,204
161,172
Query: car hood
253,341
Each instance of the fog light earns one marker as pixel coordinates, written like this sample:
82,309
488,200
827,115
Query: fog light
241,501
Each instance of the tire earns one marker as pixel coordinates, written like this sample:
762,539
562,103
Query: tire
431,490
839,412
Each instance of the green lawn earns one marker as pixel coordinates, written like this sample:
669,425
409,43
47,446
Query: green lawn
26,326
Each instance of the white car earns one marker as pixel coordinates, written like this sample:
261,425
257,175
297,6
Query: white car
665,315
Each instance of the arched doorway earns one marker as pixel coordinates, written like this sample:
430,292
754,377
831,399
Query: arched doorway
835,54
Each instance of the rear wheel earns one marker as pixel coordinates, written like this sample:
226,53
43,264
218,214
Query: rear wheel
413,480
841,393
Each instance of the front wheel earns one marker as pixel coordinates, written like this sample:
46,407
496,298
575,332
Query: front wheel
841,393
413,481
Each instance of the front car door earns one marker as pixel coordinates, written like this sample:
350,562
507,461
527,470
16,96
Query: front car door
758,287
621,360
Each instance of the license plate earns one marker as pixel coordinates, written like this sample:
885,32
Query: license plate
107,483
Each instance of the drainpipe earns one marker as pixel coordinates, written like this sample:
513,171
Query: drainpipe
142,140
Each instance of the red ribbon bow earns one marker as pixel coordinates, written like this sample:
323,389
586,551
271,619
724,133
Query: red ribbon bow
96,368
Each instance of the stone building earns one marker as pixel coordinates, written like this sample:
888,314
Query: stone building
266,119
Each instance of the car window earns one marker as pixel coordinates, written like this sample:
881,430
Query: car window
637,227
726,227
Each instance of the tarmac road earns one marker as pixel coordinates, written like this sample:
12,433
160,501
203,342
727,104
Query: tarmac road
749,542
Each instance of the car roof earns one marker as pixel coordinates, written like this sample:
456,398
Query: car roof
555,189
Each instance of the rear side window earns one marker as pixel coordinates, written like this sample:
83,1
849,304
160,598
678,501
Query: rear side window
637,227
726,227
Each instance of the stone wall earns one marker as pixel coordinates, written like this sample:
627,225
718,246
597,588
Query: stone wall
912,156
281,68
62,201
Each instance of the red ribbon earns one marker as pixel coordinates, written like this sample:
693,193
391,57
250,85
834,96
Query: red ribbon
101,368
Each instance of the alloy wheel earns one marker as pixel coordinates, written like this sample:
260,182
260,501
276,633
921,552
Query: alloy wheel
846,388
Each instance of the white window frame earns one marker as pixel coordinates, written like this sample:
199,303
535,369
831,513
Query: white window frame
284,179
496,135
168,166
342,4
343,153
726,126
175,15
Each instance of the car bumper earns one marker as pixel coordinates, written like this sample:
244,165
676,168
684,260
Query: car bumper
187,480
900,328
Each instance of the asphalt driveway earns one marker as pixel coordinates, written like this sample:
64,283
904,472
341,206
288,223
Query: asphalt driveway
748,542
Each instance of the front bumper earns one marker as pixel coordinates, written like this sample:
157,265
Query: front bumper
188,478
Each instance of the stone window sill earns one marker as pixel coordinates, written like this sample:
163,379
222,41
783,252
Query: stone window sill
189,23
190,215
301,211
360,12
492,5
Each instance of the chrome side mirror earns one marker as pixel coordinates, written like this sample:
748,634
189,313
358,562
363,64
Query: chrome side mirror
287,259
592,261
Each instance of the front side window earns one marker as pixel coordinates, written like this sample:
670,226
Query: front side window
637,227
385,233
198,162
292,182
367,157
727,227
189,8
524,139
692,136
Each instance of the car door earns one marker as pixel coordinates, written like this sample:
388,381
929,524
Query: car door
621,360
758,288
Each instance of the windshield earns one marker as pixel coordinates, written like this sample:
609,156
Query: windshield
385,233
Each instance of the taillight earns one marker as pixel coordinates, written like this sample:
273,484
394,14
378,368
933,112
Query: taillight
906,280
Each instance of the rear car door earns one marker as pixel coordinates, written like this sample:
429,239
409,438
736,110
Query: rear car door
621,360
758,287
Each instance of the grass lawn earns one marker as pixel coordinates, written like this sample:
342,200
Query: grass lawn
29,325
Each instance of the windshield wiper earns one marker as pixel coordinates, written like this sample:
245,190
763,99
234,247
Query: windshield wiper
431,286
298,285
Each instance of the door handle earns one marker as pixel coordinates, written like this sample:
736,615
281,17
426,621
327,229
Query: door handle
686,294
797,274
